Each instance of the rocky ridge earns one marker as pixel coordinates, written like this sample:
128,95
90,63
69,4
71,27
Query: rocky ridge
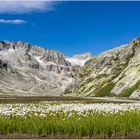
113,73
32,70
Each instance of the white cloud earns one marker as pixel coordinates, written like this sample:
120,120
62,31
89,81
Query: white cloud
16,21
24,6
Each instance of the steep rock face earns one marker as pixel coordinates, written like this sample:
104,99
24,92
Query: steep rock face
113,73
31,70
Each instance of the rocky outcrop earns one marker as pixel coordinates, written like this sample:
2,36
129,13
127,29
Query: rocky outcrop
113,73
32,70
3,65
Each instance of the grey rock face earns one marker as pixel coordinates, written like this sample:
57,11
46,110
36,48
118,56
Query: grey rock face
31,70
135,94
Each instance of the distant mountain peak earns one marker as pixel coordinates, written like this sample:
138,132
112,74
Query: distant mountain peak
79,59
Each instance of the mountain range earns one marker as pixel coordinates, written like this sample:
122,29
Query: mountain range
27,70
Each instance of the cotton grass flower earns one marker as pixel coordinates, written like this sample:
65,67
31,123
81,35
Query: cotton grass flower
67,110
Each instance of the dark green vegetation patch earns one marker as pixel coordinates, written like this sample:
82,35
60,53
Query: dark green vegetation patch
105,90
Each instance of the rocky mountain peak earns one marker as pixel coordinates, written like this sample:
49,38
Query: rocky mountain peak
83,56
15,45
80,59
25,68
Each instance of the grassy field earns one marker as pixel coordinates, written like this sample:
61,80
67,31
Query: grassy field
97,126
72,120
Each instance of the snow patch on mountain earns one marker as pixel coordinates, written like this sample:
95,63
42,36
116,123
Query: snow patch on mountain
79,59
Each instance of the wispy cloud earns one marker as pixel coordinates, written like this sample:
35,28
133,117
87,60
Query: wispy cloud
23,6
16,21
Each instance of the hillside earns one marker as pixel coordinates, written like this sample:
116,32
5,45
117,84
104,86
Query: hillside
113,73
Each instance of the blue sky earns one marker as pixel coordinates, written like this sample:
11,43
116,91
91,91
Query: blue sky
70,27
